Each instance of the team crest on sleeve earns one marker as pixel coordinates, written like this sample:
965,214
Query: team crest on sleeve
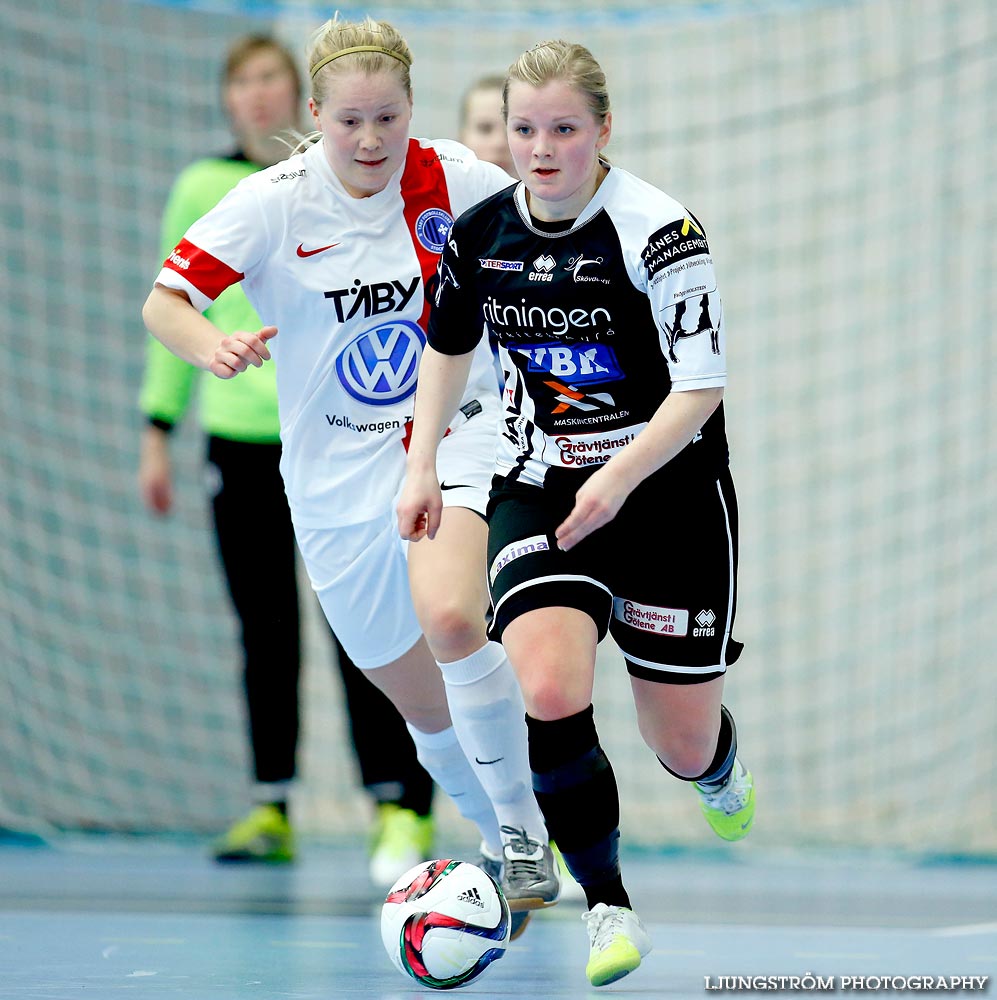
432,229
381,366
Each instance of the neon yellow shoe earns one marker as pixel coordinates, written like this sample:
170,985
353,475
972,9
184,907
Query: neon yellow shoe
730,810
402,839
617,941
570,889
265,836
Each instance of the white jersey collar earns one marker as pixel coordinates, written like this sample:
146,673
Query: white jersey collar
373,203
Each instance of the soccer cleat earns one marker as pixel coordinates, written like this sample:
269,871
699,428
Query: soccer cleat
402,839
493,867
263,836
617,943
530,878
730,809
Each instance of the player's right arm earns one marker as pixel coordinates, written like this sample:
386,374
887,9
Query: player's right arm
171,318
216,252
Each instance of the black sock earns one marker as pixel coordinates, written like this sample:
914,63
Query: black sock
578,796
718,770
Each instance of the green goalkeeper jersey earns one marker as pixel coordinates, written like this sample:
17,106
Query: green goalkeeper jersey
239,409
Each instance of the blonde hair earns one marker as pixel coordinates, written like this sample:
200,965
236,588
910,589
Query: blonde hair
371,47
566,61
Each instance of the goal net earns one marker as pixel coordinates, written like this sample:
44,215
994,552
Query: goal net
842,157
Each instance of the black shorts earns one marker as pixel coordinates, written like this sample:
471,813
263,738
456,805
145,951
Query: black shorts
661,576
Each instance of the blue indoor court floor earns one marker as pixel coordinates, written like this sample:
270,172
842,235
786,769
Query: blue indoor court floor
142,919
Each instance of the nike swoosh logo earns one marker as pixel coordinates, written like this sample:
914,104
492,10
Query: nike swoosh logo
497,759
302,252
459,486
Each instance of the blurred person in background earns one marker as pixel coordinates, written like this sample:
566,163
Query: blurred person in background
261,95
481,126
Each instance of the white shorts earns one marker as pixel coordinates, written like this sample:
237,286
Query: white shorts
360,571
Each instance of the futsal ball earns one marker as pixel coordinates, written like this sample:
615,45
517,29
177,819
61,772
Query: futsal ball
444,922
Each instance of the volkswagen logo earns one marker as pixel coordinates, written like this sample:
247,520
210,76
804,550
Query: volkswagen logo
381,365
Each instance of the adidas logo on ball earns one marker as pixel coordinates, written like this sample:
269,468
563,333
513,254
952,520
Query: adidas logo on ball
471,896
431,934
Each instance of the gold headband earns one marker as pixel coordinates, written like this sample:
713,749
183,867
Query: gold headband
360,48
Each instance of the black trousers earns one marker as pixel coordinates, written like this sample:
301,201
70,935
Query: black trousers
256,543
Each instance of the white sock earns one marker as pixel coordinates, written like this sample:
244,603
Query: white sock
441,755
488,713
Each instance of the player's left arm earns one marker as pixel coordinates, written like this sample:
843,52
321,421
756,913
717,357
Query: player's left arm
675,423
698,375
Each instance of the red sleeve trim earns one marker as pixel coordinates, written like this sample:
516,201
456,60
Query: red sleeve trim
206,273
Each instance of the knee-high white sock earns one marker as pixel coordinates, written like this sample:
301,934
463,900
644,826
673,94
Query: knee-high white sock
487,710
441,755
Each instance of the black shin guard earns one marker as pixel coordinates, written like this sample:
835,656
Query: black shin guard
577,793
723,759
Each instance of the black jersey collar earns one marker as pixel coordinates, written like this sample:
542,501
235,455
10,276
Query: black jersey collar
594,205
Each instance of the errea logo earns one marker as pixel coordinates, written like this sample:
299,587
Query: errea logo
543,266
705,620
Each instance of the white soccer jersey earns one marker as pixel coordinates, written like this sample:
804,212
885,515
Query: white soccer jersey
343,279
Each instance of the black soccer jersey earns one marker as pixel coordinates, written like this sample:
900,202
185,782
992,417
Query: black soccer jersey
596,324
